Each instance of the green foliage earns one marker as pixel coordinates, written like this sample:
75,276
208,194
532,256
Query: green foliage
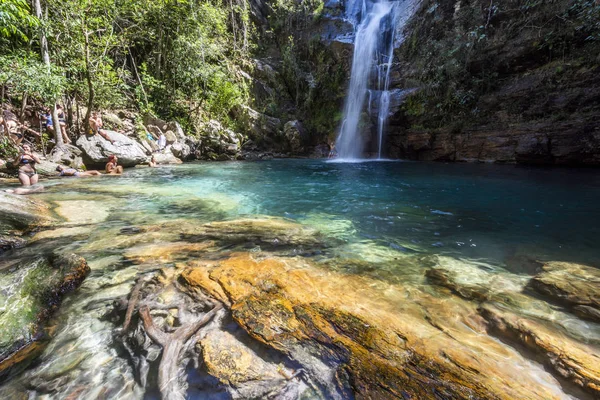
175,58
460,55
8,151
24,73
15,19
587,18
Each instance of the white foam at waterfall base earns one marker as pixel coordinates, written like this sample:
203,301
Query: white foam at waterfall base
349,144
370,51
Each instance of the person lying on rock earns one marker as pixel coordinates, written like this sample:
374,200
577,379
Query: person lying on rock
64,171
96,125
112,168
26,162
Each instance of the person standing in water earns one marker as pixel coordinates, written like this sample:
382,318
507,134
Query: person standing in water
26,161
112,168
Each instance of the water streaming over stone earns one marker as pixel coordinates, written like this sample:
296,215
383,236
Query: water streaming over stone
379,27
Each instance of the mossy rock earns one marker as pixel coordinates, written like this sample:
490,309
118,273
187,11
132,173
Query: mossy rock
32,290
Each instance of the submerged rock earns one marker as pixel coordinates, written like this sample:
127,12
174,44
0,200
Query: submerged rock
21,213
574,285
31,291
357,337
267,232
472,280
573,361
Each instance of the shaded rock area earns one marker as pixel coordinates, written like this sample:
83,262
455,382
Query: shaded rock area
32,289
499,82
574,285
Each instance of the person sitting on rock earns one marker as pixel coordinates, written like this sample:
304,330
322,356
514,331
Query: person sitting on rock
96,125
64,171
112,168
26,161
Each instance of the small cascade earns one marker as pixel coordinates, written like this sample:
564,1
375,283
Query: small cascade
376,25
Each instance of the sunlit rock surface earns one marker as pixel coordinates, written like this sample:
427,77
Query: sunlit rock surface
577,286
20,213
356,335
573,361
96,149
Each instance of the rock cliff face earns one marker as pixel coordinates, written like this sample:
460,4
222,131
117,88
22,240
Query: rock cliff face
496,81
476,80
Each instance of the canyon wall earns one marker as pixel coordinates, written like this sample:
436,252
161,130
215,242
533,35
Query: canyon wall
511,81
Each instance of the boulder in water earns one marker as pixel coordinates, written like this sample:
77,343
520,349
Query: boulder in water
96,149
166,158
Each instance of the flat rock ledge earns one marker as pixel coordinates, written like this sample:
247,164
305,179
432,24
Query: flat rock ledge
350,336
32,290
574,285
565,345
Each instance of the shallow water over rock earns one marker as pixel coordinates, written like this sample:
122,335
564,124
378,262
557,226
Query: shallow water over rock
335,281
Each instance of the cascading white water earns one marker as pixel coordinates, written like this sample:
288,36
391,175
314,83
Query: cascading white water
377,24
349,143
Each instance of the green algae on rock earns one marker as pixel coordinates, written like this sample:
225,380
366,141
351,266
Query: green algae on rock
32,290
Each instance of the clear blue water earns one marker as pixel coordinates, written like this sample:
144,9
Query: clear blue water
489,212
393,219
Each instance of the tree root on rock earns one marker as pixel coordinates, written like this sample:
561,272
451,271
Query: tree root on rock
173,323
172,344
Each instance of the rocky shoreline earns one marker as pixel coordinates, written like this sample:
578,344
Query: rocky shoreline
269,322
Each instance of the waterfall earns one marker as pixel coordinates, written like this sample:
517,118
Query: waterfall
376,25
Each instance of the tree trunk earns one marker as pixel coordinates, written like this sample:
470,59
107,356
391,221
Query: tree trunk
139,79
88,77
57,128
23,107
46,57
43,41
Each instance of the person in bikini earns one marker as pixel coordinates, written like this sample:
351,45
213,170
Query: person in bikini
26,161
64,171
112,168
96,127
